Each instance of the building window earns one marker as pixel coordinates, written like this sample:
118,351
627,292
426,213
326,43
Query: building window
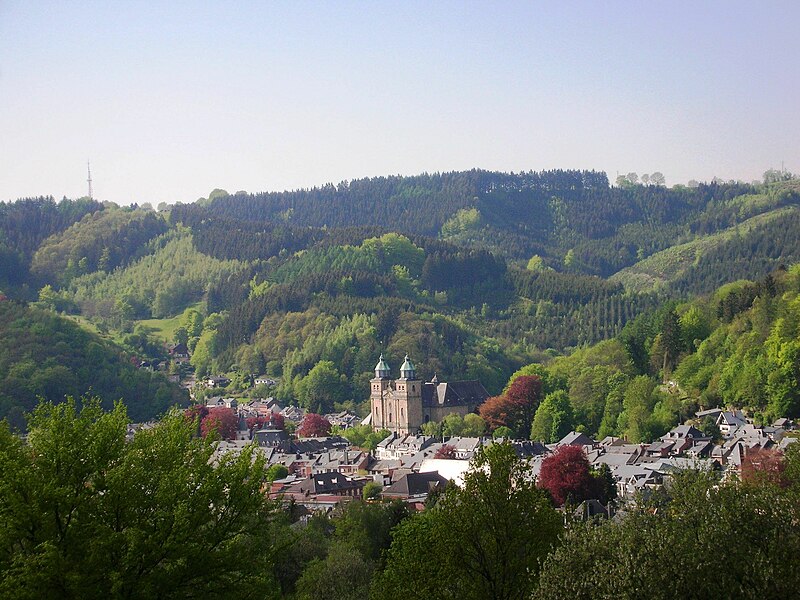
401,413
413,388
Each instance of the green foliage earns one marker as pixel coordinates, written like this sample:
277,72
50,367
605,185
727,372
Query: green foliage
535,263
86,514
502,432
554,418
470,425
163,283
276,471
463,222
755,525
372,490
363,436
43,355
342,575
482,540
101,241
322,388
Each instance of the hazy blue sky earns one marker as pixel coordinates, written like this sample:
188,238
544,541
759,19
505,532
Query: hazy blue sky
172,99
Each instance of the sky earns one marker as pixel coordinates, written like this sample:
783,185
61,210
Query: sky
170,100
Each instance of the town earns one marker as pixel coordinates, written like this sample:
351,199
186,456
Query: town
319,468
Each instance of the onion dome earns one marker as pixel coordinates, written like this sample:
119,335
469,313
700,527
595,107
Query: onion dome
382,369
407,370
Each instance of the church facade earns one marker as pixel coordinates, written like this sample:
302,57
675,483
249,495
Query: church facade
403,405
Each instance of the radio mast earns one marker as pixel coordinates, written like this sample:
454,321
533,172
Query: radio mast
89,170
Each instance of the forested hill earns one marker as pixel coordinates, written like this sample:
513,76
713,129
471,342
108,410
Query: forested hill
473,273
47,356
574,220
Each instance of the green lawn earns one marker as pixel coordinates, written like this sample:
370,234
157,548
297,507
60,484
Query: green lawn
165,328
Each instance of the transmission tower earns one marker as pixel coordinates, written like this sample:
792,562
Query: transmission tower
89,170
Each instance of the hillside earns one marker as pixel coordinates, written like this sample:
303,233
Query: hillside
472,273
43,355
740,248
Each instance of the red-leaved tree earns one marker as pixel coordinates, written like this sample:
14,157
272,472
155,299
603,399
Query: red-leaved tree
516,407
221,420
566,475
277,421
273,421
762,465
446,451
314,425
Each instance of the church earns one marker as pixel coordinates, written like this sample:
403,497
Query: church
403,405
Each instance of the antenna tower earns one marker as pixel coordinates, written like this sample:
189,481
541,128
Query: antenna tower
89,170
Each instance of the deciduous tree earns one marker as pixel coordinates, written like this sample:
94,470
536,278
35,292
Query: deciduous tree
566,475
314,425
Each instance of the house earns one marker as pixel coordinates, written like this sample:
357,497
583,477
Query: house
216,401
333,484
217,382
273,438
679,440
294,414
263,380
179,353
343,419
415,486
730,420
573,438
404,404
464,447
345,461
395,446
592,509
713,413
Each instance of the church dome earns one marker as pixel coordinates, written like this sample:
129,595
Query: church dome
382,369
407,370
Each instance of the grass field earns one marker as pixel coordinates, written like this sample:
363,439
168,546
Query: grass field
164,329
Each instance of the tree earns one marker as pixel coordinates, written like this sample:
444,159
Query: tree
764,465
446,451
566,475
516,407
372,490
502,432
342,575
181,336
483,540
710,428
314,425
700,515
220,421
276,471
774,176
638,402
321,388
657,178
88,515
553,418
536,263
474,426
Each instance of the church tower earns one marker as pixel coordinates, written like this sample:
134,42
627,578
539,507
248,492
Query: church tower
380,387
409,398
